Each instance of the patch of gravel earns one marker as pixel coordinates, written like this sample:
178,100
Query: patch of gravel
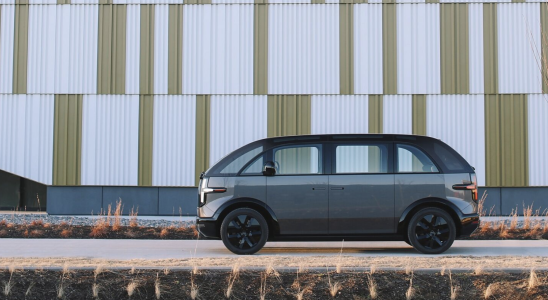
27,218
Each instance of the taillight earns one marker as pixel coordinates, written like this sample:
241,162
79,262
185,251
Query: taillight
469,186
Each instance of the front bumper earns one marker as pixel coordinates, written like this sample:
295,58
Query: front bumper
469,223
208,228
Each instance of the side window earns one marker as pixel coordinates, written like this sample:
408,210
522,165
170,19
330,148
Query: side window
298,160
361,159
255,167
413,160
235,165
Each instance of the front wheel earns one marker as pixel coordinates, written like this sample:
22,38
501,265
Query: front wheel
431,231
244,231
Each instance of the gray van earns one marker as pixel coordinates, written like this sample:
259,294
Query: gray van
356,187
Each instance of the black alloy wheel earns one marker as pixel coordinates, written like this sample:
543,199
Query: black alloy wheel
431,231
244,231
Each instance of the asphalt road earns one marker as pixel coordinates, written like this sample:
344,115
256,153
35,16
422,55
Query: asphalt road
163,249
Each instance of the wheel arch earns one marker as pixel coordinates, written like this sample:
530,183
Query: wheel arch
413,208
259,206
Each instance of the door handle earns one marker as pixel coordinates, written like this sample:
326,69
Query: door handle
337,188
318,189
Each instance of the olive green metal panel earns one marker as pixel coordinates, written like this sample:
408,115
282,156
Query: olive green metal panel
202,134
544,42
63,1
389,2
111,62
261,1
432,1
352,1
289,115
146,129
419,114
346,46
518,1
20,49
198,2
490,48
67,140
389,50
455,75
175,50
260,50
318,1
506,141
146,62
375,114
19,2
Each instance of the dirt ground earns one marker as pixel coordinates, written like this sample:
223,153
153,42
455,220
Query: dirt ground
149,284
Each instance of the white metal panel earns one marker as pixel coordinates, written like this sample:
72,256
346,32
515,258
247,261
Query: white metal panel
519,46
303,49
410,1
418,27
233,1
7,2
84,1
133,48
458,120
174,140
7,30
289,2
475,38
235,121
41,49
26,132
397,114
538,139
474,1
76,49
110,139
368,70
339,114
218,49
161,30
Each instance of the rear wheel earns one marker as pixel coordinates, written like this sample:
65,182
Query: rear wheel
244,231
431,231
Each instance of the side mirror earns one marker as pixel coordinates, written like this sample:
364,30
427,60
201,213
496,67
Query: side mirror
269,169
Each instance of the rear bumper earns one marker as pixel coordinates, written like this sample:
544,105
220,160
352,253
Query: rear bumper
469,223
208,228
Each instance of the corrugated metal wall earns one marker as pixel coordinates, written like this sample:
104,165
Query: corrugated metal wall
303,49
243,71
538,143
27,136
235,121
339,114
458,120
110,132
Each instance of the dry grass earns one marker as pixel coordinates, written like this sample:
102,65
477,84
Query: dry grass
117,213
231,279
29,289
133,217
36,233
194,290
66,233
514,222
488,292
131,288
61,290
410,291
98,270
478,270
95,288
7,287
454,289
157,288
527,213
334,287
37,223
372,269
533,280
262,290
372,286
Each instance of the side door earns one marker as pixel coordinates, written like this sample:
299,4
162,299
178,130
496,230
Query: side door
361,189
298,193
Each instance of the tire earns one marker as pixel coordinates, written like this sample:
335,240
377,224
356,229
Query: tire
244,231
431,231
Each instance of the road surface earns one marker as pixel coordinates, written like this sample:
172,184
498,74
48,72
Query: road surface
184,249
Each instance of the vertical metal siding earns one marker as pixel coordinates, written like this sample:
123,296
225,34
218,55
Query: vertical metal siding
236,121
418,48
41,51
84,1
173,152
7,30
538,140
110,133
218,49
475,27
26,132
518,34
76,49
161,32
454,119
474,1
233,1
397,114
133,49
303,49
339,114
368,69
